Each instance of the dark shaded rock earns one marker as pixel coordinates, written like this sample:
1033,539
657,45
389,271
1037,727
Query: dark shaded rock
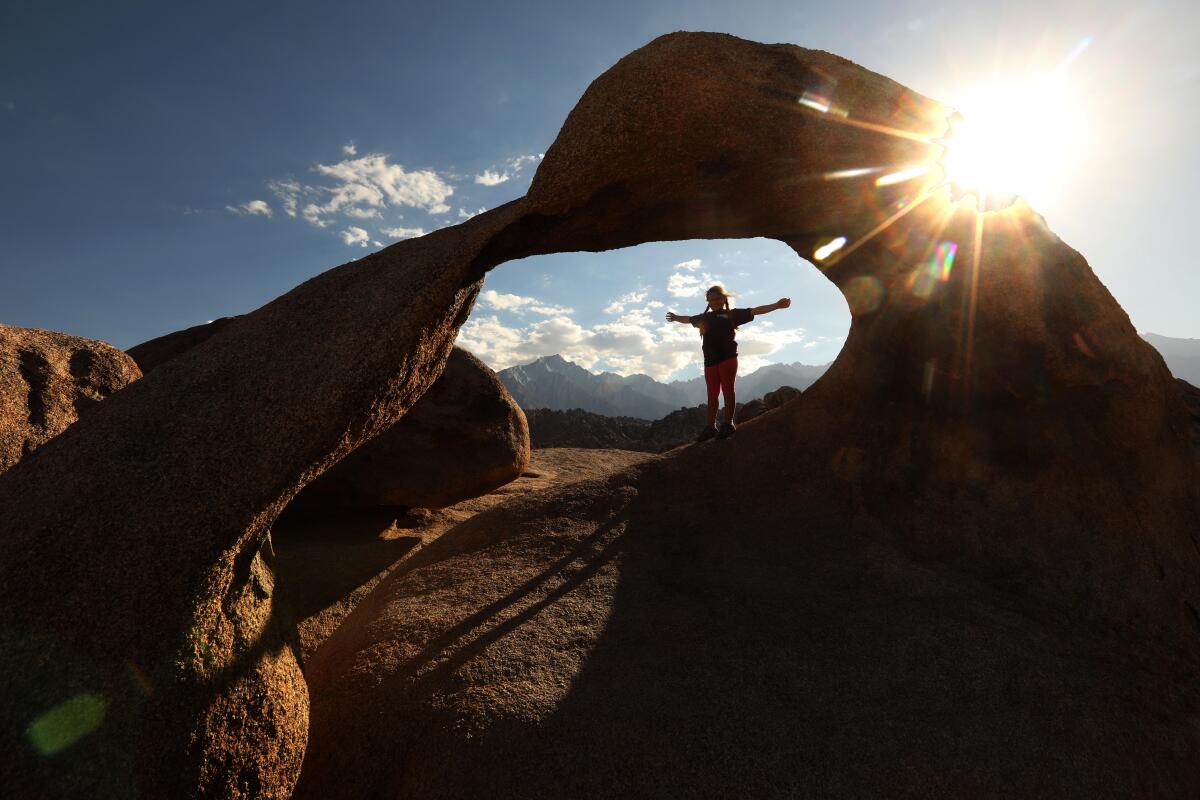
780,396
1191,396
47,380
150,354
463,438
770,400
668,634
578,428
681,426
751,410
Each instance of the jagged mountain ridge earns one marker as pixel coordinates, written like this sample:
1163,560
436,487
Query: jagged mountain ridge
556,383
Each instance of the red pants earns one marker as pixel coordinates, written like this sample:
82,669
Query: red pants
719,378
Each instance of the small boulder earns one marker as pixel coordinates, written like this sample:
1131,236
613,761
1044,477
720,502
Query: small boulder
46,380
769,401
465,437
780,396
751,410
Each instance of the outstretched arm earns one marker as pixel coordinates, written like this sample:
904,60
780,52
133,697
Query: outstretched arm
673,317
783,302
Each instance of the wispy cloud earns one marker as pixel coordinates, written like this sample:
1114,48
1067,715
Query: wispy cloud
494,176
520,162
288,192
620,346
364,186
681,285
618,306
355,236
490,178
345,194
688,283
252,208
402,233
518,304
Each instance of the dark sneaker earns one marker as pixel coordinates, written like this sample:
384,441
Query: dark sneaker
727,429
706,434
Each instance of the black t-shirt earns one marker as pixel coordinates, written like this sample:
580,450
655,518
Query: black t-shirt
719,343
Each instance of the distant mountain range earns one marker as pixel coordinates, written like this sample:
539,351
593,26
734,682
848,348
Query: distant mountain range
1182,355
555,383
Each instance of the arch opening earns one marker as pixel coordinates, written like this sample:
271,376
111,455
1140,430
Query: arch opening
605,313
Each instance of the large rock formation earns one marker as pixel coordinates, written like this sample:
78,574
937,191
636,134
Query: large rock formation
991,488
134,549
963,562
46,380
464,437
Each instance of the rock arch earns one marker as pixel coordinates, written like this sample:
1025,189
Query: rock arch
135,547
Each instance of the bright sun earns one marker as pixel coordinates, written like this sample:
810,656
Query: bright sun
1015,139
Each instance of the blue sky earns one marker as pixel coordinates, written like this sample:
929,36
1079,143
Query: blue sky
167,163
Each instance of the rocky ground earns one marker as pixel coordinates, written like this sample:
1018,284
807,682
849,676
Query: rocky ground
327,563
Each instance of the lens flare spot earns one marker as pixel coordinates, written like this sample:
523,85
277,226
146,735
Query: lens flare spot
814,101
66,723
902,176
1082,345
829,248
842,174
943,259
927,378
864,294
937,270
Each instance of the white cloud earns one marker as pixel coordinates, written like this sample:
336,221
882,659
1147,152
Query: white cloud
518,163
618,306
691,265
349,149
620,346
402,233
518,304
464,214
252,208
288,192
355,236
490,178
680,285
364,186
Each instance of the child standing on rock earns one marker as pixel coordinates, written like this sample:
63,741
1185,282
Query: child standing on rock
718,325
